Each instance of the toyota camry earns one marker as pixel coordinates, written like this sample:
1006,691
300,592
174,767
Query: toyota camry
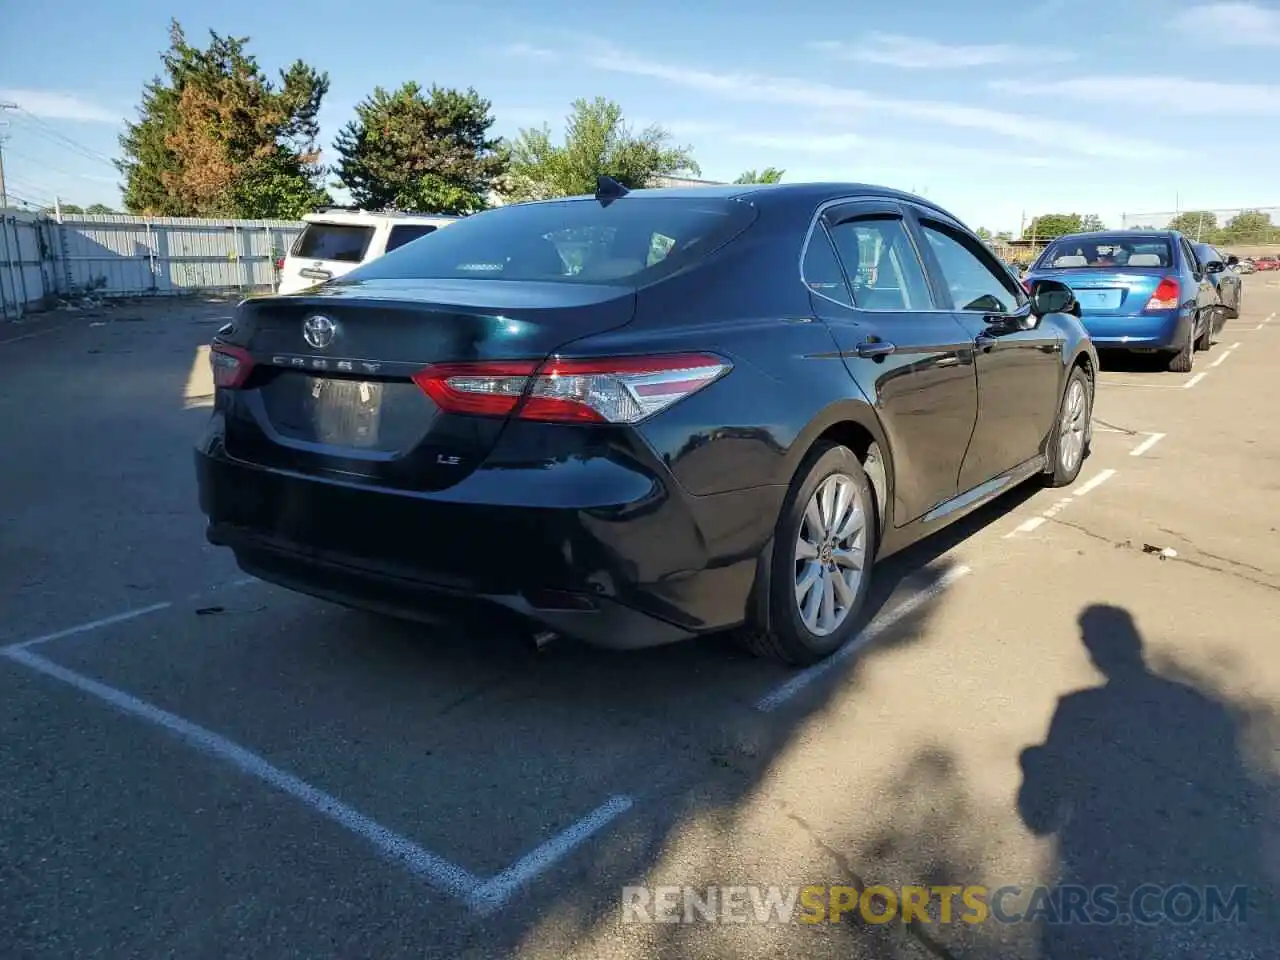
636,417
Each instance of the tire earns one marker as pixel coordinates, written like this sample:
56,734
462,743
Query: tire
789,637
1069,440
1185,358
1205,340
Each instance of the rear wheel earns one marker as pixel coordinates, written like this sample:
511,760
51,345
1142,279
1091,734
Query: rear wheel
1072,431
1182,361
823,549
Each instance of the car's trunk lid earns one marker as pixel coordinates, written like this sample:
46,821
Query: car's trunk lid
1103,292
334,396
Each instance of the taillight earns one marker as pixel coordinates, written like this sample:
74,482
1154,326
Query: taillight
280,263
1026,285
231,365
1167,296
616,390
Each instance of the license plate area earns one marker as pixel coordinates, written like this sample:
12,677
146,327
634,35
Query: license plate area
345,413
1108,299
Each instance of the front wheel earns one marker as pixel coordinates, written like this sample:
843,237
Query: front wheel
1072,431
823,549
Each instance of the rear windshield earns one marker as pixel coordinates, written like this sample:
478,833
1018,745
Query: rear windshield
1103,252
405,232
632,240
344,242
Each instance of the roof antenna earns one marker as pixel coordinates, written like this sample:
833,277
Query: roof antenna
609,189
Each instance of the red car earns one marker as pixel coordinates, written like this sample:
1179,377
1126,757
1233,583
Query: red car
1267,263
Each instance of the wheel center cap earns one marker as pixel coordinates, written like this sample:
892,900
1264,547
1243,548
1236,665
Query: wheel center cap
824,555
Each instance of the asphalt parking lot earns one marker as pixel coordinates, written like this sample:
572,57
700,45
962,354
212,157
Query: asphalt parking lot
197,764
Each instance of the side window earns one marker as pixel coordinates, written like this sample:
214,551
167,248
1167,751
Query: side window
974,284
881,264
821,269
1192,260
405,232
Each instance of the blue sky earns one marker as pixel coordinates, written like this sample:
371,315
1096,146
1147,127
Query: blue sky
991,109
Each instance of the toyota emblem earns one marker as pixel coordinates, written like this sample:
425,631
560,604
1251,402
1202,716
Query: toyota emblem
318,331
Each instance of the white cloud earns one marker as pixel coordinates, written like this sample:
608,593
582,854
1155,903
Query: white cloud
1169,94
920,53
863,149
840,101
1232,23
55,105
527,51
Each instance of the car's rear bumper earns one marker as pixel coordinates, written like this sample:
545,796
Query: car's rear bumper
642,572
1150,330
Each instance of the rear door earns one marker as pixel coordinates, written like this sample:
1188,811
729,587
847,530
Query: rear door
1019,364
913,359
324,251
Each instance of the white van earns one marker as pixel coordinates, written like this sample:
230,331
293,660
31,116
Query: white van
337,240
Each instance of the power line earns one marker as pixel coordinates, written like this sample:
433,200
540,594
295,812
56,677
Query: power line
49,133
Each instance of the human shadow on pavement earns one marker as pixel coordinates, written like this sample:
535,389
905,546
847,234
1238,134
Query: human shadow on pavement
1142,783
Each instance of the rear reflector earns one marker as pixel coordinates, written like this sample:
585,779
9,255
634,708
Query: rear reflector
1026,285
1167,295
616,390
231,365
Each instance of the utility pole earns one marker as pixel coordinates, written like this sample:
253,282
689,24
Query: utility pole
4,196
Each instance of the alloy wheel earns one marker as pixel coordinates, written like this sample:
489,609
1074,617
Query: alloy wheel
830,554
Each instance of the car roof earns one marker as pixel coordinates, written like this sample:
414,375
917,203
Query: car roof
781,194
374,217
1135,234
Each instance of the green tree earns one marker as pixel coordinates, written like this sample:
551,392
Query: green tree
983,234
1249,226
216,137
1196,224
99,209
428,151
1091,221
1049,226
65,208
597,142
767,175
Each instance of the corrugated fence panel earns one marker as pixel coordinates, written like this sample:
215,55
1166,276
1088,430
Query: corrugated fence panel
121,255
26,266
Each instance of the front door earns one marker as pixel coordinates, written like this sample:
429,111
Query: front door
912,360
1019,360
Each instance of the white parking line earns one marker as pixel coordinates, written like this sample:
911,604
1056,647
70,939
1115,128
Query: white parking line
496,891
1094,483
1221,359
1147,444
785,691
482,895
1194,380
91,625
1269,318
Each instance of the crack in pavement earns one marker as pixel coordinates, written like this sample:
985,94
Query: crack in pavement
1127,544
914,928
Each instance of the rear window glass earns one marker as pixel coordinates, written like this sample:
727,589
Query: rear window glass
406,232
1104,252
630,241
344,242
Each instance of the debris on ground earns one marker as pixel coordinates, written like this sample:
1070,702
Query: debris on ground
1164,553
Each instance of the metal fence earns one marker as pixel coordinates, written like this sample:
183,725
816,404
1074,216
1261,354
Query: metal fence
41,259
1241,227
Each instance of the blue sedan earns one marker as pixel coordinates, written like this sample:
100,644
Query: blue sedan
1136,291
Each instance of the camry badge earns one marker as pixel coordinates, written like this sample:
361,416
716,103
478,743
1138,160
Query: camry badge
319,331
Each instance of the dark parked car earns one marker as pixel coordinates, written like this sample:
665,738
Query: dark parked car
1136,291
1220,268
715,414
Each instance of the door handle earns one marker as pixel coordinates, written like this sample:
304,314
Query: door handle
875,349
985,342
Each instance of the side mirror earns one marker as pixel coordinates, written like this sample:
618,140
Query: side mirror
1052,296
1214,266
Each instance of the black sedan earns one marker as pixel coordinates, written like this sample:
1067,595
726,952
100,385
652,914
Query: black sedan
1221,270
632,418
